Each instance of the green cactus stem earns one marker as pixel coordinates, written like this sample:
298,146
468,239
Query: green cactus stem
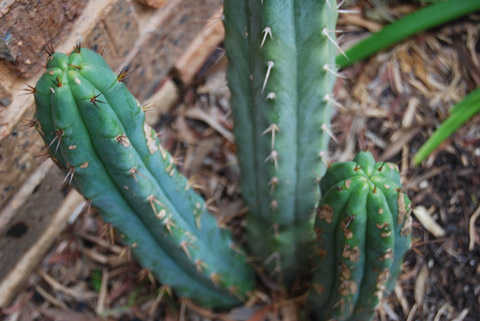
96,131
281,75
363,231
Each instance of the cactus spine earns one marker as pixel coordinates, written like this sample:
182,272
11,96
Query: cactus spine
363,230
96,131
281,75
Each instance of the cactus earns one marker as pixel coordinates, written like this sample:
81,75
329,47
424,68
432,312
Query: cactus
281,74
96,131
363,230
352,230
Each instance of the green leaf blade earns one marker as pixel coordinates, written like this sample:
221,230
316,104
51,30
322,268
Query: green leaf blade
460,113
421,20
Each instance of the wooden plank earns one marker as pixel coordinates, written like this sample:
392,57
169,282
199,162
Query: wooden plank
24,193
200,49
26,26
32,231
19,157
30,219
170,33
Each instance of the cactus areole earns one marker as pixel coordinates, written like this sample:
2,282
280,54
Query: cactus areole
95,130
363,230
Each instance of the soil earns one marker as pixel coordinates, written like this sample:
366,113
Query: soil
391,104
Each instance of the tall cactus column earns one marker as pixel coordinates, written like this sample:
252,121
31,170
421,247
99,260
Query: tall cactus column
281,74
95,130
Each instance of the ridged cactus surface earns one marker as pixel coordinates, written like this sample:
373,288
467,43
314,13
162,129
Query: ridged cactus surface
96,131
363,231
281,74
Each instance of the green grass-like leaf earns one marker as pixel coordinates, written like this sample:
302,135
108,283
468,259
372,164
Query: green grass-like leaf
423,19
460,113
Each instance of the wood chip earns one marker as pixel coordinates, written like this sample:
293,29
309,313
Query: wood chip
401,299
390,312
431,173
61,315
396,146
406,60
422,214
462,315
410,113
50,298
200,49
358,20
471,229
78,293
102,296
411,315
200,114
420,284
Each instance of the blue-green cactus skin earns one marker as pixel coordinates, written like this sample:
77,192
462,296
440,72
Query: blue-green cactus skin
363,231
96,131
281,75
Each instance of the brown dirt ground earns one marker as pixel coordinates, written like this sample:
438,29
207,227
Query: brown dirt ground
392,103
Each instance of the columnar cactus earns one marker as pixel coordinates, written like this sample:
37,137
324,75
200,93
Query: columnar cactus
96,131
363,230
281,74
352,229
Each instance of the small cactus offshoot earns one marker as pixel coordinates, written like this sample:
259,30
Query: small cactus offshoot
95,131
363,228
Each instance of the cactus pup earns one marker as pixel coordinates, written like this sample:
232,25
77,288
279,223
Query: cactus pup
363,228
281,75
95,130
